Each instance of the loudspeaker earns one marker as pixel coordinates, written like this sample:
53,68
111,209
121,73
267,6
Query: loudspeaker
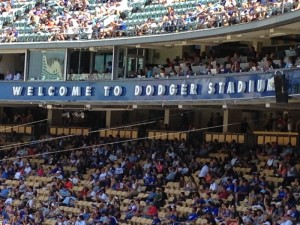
281,89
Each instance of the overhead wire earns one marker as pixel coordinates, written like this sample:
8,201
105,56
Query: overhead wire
121,141
140,123
5,147
22,125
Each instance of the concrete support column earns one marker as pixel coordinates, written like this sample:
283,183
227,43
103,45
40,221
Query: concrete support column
54,117
108,119
225,120
1,114
257,45
125,62
50,117
202,49
115,62
197,119
167,116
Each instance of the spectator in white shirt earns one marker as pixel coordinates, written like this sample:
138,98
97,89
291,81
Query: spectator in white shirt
102,196
74,179
119,170
213,186
270,161
147,165
19,162
80,220
287,220
234,160
112,157
203,172
18,175
27,169
102,175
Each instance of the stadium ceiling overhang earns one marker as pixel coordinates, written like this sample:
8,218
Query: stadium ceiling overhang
282,25
254,36
260,105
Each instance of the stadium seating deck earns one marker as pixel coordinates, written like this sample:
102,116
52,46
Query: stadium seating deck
62,185
35,22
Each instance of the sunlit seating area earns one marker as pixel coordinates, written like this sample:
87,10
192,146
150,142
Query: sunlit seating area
131,188
27,21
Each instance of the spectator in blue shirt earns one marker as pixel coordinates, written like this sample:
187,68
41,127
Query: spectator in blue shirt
171,175
243,191
193,216
156,220
148,72
173,220
113,220
229,185
294,213
4,193
4,174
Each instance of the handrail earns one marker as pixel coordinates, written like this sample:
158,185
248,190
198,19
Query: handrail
20,129
282,138
57,130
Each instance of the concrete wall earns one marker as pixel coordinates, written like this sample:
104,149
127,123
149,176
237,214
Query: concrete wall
116,118
167,52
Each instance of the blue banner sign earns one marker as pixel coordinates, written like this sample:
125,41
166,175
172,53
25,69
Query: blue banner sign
196,88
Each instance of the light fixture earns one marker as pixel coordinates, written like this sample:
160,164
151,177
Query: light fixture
79,115
82,115
277,34
66,115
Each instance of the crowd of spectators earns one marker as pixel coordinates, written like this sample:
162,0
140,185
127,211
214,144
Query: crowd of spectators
12,76
209,185
73,20
195,64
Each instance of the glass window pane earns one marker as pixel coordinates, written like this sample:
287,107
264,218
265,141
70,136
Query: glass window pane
99,63
46,64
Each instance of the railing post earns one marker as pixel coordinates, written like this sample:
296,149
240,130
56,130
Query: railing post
115,62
